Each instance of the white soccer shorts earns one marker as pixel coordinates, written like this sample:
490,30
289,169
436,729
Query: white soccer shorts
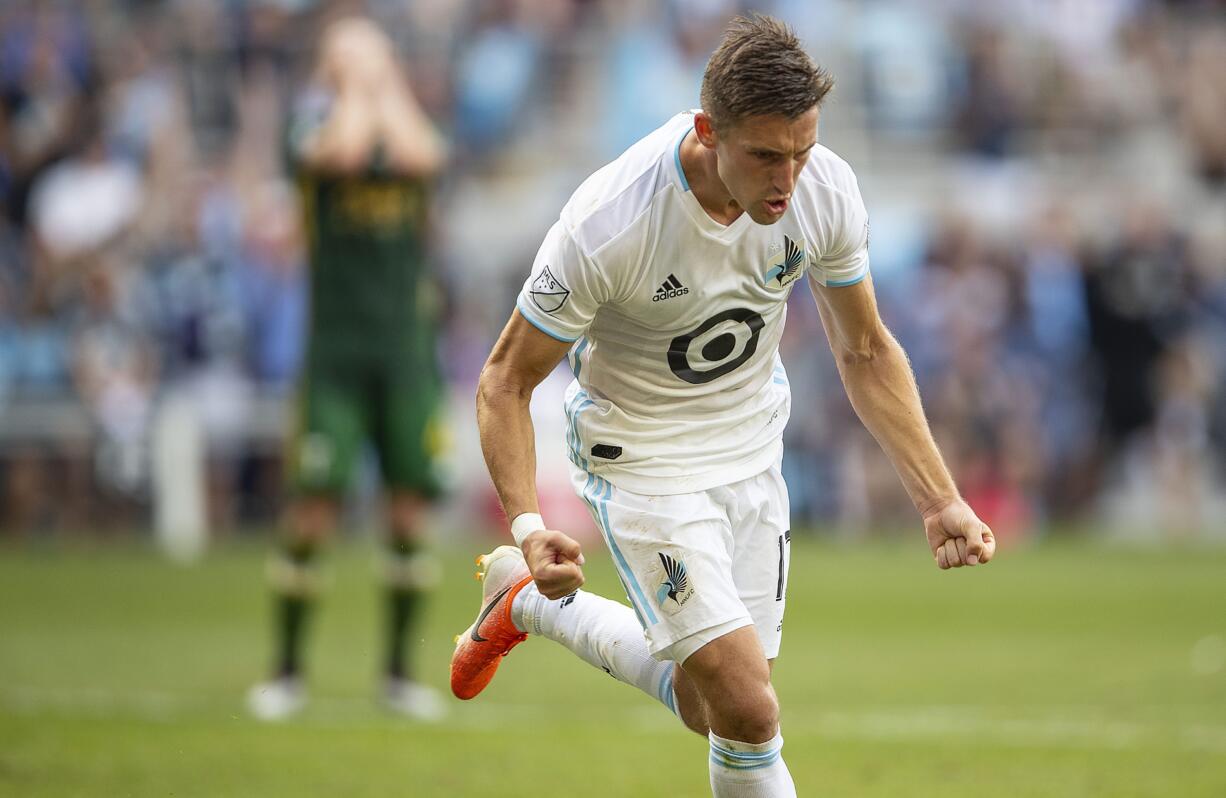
697,566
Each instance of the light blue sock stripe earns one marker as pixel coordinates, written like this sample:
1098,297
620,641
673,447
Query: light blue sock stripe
738,757
743,761
606,492
590,498
665,690
731,766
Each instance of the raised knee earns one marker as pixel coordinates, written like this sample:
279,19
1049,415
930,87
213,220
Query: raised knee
696,720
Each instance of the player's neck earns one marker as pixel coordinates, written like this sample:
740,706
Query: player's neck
701,173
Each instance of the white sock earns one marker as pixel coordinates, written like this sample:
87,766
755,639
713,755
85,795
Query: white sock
603,633
749,770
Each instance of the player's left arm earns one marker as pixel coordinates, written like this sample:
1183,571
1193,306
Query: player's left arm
882,389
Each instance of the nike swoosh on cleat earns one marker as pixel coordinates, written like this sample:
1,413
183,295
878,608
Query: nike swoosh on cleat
485,613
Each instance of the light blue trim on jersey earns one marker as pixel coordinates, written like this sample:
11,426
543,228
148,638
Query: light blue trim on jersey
677,156
845,283
576,354
550,333
633,589
577,403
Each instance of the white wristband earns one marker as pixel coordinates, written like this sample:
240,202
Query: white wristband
524,525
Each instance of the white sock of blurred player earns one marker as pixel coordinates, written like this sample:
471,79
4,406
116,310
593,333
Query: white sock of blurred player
601,632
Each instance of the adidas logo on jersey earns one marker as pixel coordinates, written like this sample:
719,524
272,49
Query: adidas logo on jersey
672,287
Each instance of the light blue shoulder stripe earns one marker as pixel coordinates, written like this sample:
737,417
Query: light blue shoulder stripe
556,336
845,283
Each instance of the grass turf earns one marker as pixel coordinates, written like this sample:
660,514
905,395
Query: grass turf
1060,670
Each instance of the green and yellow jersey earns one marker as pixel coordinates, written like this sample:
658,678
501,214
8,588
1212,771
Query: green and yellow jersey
371,373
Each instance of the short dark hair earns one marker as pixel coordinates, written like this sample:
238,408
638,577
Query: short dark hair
759,69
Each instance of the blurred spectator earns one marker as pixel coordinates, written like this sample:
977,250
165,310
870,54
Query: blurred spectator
1137,290
274,288
115,371
494,76
1204,106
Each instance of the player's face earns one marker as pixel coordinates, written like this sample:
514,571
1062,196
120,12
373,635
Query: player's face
760,159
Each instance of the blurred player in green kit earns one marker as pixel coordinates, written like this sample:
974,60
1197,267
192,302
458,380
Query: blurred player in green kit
363,153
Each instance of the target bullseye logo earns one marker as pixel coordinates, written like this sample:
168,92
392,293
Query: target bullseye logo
716,350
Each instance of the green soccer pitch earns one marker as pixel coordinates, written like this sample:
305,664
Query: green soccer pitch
1058,670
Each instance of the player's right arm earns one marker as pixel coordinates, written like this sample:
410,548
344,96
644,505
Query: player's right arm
522,358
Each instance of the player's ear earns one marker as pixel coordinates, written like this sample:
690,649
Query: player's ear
705,130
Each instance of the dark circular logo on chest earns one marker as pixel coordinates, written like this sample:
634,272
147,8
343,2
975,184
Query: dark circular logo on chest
718,350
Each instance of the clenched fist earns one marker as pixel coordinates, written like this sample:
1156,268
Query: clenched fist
554,560
957,537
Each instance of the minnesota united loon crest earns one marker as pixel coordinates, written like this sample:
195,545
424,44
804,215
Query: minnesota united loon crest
675,590
784,265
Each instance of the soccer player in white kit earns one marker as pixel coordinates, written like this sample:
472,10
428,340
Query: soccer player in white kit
665,280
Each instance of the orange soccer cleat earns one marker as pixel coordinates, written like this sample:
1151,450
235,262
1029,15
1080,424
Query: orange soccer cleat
481,647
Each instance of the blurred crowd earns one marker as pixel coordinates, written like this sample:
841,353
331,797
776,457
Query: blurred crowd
1047,183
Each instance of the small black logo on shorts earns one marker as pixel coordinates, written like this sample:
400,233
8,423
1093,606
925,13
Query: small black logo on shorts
606,452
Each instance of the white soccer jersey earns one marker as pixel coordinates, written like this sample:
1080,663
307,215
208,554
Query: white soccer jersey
676,318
